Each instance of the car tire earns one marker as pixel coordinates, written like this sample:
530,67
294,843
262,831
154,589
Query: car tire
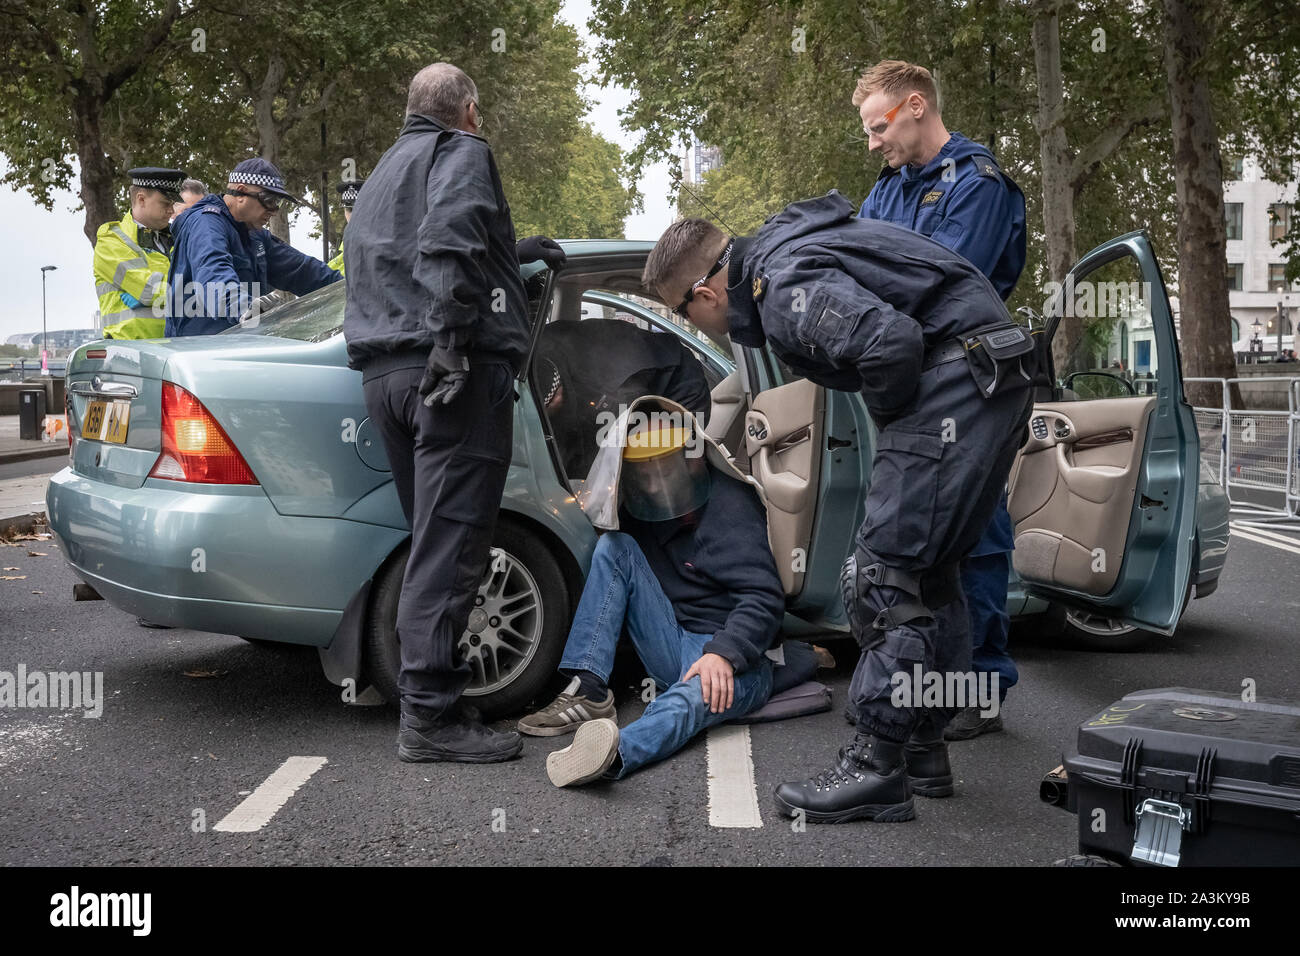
511,666
1096,633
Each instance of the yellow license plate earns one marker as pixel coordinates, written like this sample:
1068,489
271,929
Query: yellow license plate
106,421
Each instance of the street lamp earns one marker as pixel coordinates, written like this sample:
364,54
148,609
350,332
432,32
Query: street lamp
45,368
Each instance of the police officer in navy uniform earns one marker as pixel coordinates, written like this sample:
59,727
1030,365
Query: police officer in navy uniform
866,306
951,189
437,322
225,260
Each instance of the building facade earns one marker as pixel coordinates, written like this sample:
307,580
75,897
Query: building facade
1258,206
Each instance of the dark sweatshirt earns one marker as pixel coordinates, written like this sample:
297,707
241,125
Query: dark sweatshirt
718,572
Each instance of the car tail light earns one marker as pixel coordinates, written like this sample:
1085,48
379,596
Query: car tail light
194,447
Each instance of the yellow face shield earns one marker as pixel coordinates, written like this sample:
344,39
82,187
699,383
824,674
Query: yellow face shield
664,475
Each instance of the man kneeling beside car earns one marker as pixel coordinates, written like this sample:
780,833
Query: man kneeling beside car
691,574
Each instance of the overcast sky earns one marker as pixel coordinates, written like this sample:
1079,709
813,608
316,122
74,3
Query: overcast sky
33,237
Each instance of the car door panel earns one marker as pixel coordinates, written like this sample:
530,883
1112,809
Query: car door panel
1071,493
782,437
1103,494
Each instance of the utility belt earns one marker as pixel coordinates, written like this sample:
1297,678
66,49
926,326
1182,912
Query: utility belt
1000,356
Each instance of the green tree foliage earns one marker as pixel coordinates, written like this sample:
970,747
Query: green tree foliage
590,201
202,84
771,84
73,77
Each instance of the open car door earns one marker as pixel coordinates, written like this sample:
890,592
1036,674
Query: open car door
809,448
1103,495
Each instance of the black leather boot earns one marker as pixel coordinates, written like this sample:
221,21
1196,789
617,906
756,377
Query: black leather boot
458,737
867,782
928,769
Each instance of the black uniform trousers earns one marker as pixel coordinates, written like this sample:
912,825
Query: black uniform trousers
449,465
939,471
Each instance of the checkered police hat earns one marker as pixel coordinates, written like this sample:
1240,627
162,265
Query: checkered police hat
260,174
348,191
167,181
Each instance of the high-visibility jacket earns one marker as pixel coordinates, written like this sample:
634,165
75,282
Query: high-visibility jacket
130,281
337,262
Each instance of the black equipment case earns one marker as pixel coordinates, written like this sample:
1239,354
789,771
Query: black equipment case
1181,777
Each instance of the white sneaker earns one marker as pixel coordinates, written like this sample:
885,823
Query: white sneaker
594,747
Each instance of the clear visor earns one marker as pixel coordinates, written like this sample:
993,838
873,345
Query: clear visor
666,487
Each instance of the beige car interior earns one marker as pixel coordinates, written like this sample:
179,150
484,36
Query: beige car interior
727,414
1071,491
783,429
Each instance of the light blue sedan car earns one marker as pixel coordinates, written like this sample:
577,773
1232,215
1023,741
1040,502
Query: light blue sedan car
233,484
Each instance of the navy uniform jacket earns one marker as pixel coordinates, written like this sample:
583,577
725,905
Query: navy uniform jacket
219,266
717,570
852,303
430,257
975,209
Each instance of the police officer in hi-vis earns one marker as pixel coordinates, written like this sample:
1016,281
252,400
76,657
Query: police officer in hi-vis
951,189
132,257
865,306
348,193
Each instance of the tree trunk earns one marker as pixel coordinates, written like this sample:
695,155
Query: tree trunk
1057,160
1202,238
269,133
97,179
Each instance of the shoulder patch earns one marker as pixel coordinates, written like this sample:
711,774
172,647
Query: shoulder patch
986,167
933,196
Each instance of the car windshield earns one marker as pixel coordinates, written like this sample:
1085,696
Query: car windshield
315,317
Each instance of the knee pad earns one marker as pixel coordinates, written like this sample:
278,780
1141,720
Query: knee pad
878,599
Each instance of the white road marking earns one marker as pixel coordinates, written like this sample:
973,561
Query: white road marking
1272,531
1250,536
733,795
256,811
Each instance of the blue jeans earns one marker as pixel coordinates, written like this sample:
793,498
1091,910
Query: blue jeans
620,589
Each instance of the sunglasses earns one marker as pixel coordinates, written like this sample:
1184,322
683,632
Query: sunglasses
690,293
269,202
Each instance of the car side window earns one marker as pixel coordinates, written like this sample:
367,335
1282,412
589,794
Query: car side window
1114,352
598,352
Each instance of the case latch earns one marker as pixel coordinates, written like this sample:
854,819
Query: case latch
1160,826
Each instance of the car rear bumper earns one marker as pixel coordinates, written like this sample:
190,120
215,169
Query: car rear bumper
214,558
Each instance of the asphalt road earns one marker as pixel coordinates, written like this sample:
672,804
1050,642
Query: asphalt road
193,722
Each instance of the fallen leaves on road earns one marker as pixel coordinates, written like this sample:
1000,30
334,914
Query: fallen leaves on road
13,569
36,554
205,673
38,592
13,577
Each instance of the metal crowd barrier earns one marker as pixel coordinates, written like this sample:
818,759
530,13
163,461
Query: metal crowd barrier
1254,452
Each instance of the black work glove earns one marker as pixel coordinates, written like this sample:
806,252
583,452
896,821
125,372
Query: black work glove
445,375
540,247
